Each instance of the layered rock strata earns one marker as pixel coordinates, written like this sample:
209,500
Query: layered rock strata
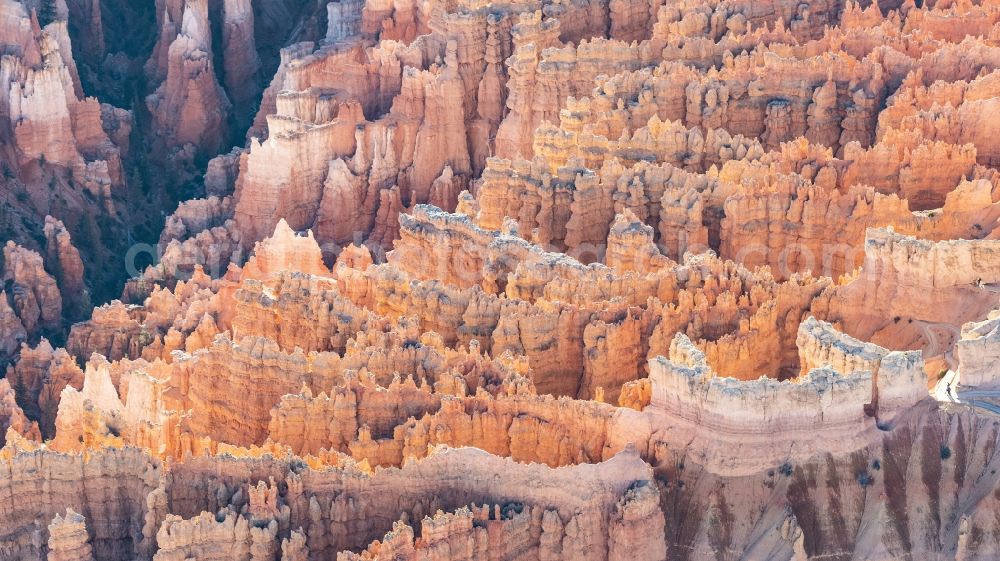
585,280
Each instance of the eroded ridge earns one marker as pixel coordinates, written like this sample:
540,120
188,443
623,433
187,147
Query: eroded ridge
589,280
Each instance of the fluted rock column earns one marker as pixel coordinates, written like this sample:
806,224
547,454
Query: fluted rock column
441,140
64,260
68,539
190,107
36,297
12,331
239,56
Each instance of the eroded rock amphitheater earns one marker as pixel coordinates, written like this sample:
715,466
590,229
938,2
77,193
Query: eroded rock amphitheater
537,280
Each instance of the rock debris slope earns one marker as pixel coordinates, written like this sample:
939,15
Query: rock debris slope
540,281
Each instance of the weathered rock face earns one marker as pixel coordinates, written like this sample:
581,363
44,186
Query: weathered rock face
62,154
85,21
190,107
418,116
12,331
39,377
596,280
64,259
479,531
606,505
846,386
12,419
44,112
68,539
945,111
977,352
219,380
630,116
33,294
111,331
108,488
894,300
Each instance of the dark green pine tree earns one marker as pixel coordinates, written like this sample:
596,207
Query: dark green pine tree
47,12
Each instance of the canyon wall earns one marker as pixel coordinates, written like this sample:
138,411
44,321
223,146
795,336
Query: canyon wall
551,280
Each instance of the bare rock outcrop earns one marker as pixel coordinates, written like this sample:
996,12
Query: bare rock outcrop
190,107
556,280
848,387
68,539
46,118
111,331
40,375
12,418
49,483
977,352
64,259
33,294
880,306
